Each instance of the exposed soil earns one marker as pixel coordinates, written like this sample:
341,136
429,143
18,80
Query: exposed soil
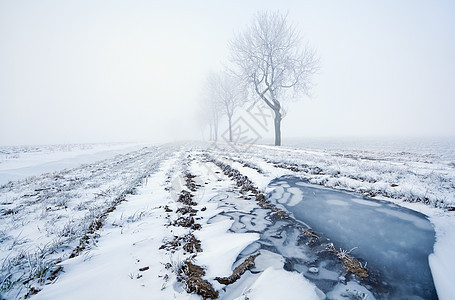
191,275
32,291
247,188
186,198
239,271
187,210
188,242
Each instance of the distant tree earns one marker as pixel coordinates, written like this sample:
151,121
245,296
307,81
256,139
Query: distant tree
270,58
212,110
208,115
229,94
211,106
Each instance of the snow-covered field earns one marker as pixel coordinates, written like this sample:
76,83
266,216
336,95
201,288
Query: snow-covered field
19,162
189,220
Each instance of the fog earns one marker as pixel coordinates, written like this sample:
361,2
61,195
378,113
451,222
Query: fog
133,71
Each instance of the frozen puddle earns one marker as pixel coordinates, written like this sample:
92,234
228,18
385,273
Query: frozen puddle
394,241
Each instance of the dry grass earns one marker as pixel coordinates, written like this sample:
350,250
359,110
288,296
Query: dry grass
191,275
350,264
188,242
239,271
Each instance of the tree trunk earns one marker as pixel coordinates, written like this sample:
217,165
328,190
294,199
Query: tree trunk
211,132
230,127
277,127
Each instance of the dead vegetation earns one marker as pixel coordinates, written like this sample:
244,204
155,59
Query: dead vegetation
97,223
243,182
186,213
191,275
184,221
188,242
187,272
247,188
186,198
239,271
350,264
32,291
313,170
262,201
187,210
5,212
312,235
190,183
248,165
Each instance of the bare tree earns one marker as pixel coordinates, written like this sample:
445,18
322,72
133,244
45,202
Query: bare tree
211,107
228,91
212,110
270,57
208,115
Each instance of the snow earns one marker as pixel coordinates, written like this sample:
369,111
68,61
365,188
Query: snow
111,270
394,175
218,243
44,217
46,214
20,162
441,261
278,283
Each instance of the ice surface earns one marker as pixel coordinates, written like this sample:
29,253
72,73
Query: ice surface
278,283
284,198
366,202
351,290
335,202
393,240
297,196
221,247
416,220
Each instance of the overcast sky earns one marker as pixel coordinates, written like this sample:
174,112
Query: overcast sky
111,71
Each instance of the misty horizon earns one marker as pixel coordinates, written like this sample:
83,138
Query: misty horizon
117,72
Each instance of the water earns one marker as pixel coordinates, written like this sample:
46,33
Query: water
394,241
282,244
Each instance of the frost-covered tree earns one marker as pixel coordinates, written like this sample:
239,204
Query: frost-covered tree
212,113
270,57
208,115
229,93
211,107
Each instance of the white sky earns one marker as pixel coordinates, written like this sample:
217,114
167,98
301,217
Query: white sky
108,71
